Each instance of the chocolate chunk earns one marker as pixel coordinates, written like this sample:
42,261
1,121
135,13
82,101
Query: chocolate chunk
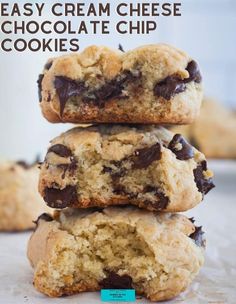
67,88
48,65
115,281
26,165
204,185
173,85
39,82
198,237
121,190
194,72
107,170
60,198
71,167
45,217
111,89
23,164
192,220
162,200
120,47
168,87
186,152
144,157
60,150
204,165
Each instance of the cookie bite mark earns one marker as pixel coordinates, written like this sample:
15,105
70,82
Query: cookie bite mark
39,82
204,184
60,198
181,148
115,281
173,85
60,150
145,157
44,217
198,237
67,88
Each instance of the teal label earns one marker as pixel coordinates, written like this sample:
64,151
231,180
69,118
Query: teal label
118,295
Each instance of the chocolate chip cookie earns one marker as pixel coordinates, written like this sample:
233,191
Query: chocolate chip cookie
153,84
103,165
20,202
157,254
214,131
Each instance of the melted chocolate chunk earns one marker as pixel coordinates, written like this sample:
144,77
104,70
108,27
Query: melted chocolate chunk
111,89
115,281
198,237
60,198
168,87
204,185
120,190
67,88
173,85
204,165
120,47
39,82
162,200
144,157
71,167
45,217
107,170
186,152
60,150
194,72
48,65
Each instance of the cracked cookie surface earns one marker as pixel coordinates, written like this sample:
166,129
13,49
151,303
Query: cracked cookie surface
104,165
157,254
150,84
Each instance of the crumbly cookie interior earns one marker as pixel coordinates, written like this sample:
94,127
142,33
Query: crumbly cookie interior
86,259
104,179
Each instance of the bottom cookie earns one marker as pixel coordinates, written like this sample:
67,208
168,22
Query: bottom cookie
156,254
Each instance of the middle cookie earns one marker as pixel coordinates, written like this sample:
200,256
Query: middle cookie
104,165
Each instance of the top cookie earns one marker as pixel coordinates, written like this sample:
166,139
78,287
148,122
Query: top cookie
155,84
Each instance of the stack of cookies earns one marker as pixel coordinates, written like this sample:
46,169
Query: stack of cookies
118,182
